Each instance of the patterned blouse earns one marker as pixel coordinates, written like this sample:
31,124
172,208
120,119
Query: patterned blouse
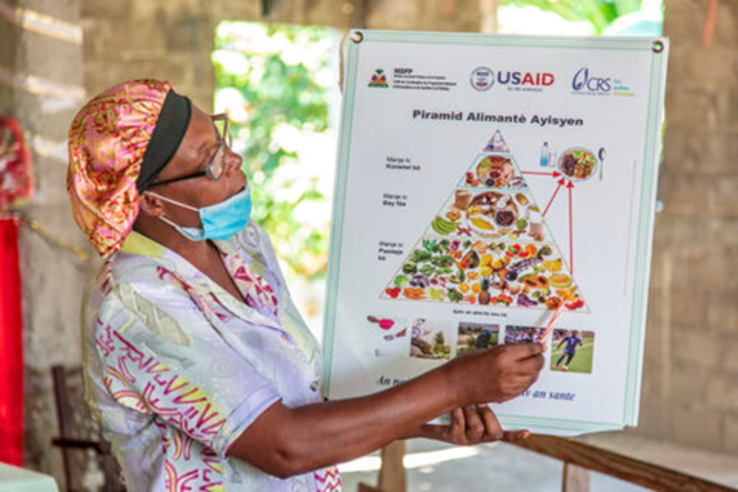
176,368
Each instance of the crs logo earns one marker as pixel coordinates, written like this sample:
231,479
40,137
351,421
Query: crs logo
583,82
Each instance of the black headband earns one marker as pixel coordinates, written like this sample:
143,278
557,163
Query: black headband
168,134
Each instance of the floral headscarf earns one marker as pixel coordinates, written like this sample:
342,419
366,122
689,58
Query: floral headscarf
107,142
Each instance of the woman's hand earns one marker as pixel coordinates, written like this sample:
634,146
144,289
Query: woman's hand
495,375
472,424
291,441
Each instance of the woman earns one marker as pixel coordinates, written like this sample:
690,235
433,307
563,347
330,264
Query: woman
198,366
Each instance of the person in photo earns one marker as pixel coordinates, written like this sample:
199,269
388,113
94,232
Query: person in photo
572,341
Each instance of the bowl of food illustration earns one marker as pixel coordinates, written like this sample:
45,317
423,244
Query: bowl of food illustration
578,164
495,171
492,214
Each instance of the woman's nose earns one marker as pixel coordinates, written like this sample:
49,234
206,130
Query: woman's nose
233,161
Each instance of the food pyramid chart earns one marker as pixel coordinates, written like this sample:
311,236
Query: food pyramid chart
489,245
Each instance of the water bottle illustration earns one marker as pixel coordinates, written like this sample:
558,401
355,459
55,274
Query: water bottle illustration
544,155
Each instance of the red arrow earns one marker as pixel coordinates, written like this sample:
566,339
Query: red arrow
561,183
571,232
555,174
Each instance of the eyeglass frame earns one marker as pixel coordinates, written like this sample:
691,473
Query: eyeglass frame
225,141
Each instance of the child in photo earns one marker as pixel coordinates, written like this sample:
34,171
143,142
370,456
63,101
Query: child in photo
475,336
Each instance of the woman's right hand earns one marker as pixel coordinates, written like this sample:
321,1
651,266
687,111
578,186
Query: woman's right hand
496,375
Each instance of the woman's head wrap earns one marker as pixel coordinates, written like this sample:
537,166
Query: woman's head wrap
119,142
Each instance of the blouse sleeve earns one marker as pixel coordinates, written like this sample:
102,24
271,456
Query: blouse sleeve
165,359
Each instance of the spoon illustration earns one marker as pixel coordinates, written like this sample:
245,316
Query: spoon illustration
602,154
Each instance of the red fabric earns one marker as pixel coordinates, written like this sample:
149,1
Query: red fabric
15,164
11,347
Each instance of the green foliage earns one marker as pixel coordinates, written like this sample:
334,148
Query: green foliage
275,71
599,13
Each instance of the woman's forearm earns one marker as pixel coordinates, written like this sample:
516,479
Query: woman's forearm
351,428
317,435
285,441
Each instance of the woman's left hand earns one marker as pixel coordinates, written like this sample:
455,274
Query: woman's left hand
472,424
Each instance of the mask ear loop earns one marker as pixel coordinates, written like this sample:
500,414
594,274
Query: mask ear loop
179,228
174,202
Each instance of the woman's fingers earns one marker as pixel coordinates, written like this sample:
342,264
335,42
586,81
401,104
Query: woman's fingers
475,427
472,424
512,436
432,431
493,429
458,426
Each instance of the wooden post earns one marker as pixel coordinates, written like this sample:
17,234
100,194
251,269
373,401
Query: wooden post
392,473
576,479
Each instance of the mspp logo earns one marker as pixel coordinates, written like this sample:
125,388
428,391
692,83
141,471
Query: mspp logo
584,82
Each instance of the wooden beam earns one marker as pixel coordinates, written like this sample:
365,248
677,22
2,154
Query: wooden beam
616,465
575,479
392,473
368,488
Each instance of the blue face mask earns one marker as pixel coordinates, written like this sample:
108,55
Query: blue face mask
219,221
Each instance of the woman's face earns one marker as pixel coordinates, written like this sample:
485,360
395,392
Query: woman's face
196,152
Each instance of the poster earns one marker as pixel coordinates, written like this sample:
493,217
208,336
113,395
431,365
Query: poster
483,184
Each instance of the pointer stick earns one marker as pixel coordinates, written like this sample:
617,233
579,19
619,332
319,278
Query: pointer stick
550,326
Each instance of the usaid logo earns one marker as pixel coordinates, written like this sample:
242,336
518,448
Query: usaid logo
482,78
584,82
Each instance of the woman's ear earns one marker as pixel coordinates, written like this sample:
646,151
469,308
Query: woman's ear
150,205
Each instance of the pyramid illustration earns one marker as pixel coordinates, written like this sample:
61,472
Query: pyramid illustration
488,245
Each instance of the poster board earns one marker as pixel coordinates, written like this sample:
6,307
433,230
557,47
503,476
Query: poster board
483,182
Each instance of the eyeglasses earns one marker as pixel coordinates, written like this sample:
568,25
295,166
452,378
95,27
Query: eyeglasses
216,167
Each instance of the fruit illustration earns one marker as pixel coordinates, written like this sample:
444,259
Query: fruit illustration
482,223
393,293
535,281
553,302
553,266
560,280
502,299
575,304
443,226
453,215
470,260
479,247
484,295
567,294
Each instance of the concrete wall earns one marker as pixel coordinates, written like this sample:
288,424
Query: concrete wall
42,86
126,39
690,392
